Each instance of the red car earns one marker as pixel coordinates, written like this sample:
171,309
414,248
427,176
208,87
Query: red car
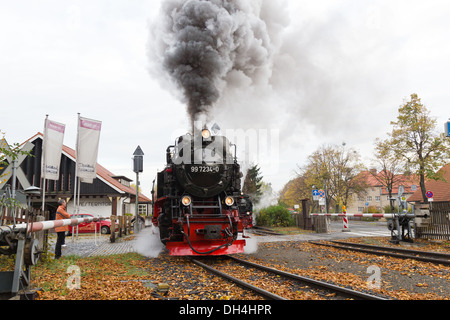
103,226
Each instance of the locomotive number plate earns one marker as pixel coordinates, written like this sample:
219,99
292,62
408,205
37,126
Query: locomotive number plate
205,169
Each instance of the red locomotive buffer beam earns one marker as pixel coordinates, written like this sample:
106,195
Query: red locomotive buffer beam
206,238
211,248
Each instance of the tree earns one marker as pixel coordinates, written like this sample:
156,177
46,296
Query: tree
415,140
336,167
252,184
294,192
12,152
389,165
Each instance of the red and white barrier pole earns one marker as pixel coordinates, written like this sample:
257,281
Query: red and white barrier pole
365,215
345,220
46,225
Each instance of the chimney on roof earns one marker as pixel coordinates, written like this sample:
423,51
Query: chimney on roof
373,171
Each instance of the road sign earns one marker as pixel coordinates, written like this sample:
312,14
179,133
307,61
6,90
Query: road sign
401,190
315,194
430,194
447,129
321,194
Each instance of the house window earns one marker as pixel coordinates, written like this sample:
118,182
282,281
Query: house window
360,198
377,198
142,209
413,187
369,198
360,209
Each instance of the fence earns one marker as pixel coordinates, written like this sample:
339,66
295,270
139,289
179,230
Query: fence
438,226
18,215
121,225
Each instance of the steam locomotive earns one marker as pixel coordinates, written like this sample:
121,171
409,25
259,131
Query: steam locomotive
199,207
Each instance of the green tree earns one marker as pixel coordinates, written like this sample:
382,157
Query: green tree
12,152
252,184
415,139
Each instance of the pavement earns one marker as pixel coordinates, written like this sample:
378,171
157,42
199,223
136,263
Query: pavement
88,245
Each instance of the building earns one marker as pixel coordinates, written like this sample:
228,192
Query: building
107,195
439,188
375,194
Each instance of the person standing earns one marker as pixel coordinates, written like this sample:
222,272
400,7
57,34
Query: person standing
61,214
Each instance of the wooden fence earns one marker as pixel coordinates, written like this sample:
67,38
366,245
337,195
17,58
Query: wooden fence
19,215
439,223
121,225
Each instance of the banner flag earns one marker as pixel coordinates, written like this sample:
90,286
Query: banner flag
52,148
87,148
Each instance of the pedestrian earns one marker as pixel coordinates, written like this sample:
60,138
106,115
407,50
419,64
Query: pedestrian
61,214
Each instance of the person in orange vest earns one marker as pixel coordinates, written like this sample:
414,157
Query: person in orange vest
61,214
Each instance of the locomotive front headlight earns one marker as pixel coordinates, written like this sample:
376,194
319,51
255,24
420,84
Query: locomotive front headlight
206,134
186,201
229,201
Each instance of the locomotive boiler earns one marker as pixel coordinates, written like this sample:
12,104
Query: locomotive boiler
199,207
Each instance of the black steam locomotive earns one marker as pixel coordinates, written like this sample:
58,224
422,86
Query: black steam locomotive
199,207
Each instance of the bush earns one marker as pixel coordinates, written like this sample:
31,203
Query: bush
275,216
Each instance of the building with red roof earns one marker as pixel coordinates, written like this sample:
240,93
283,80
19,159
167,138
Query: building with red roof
439,188
107,195
374,192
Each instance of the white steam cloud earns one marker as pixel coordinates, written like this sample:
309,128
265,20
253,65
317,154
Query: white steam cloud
148,242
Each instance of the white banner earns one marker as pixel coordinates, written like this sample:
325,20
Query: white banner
87,148
52,148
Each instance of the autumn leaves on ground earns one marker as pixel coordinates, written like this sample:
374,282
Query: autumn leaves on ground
134,277
129,277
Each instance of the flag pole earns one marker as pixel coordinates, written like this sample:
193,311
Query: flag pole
75,206
43,164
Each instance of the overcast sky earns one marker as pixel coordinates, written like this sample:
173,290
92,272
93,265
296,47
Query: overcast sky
341,70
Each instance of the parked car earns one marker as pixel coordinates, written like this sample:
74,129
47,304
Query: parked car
103,226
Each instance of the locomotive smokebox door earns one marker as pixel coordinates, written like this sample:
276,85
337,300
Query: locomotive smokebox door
213,232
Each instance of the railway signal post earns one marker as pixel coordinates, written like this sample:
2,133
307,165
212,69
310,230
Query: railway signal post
138,166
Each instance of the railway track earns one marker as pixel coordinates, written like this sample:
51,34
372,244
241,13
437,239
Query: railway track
433,257
342,291
265,231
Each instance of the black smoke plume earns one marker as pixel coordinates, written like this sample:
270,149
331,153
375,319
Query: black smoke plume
199,42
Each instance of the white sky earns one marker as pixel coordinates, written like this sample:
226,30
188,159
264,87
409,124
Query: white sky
356,60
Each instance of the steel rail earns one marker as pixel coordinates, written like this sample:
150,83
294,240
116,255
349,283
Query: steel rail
316,283
266,294
401,250
385,253
265,231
